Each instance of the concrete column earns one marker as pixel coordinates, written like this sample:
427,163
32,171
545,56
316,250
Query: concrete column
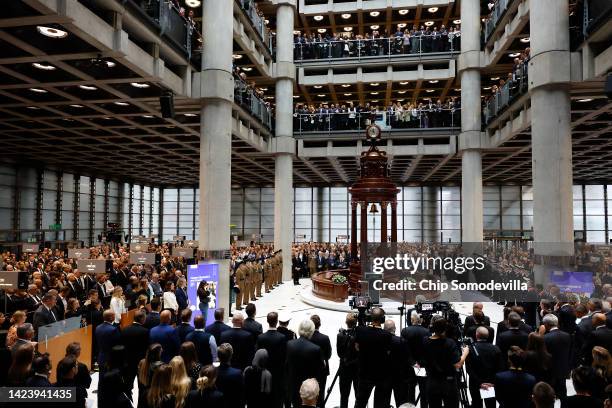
284,142
549,76
470,141
217,87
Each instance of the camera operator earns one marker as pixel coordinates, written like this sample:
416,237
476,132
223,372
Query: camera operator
483,362
349,364
442,358
374,346
400,365
414,335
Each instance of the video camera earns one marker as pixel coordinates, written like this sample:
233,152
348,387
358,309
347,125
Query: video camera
363,304
444,309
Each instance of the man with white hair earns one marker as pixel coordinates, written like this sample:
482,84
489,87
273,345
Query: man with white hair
558,344
304,361
309,391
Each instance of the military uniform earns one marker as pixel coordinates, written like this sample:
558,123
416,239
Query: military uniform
241,282
259,279
246,297
268,274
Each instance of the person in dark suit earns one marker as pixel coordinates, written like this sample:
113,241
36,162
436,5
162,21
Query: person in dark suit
276,345
400,365
217,327
250,324
513,336
243,343
349,363
181,294
283,322
184,328
133,338
205,343
513,387
583,378
107,336
82,377
152,318
165,335
229,379
558,344
477,318
103,293
566,314
61,303
304,360
414,335
585,326
601,336
41,367
482,364
323,342
44,315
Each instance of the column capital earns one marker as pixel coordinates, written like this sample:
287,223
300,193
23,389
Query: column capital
213,84
284,70
472,139
291,3
470,60
282,145
548,68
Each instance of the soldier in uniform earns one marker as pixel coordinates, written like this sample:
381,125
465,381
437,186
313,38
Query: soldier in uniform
259,279
241,282
268,274
253,280
279,268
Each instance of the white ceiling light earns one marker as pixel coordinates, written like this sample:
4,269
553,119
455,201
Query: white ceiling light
33,108
495,78
486,88
401,92
238,56
432,9
401,100
401,25
52,32
514,54
263,89
266,21
44,67
247,69
318,86
457,89
321,30
374,93
347,94
121,103
375,13
190,114
318,18
457,21
348,28
375,101
296,32
585,100
109,64
430,91
346,16
76,105
139,85
429,23
374,84
434,81
346,85
296,96
404,83
38,90
403,12
321,95
193,3
525,40
88,87
147,116
375,27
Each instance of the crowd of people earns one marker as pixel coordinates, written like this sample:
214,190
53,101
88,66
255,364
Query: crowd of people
398,115
418,40
250,97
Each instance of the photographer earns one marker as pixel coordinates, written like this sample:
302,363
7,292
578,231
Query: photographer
482,364
349,363
374,346
442,358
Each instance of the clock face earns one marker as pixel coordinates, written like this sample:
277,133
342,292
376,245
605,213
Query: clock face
373,132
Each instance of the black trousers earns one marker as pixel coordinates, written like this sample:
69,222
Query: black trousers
347,378
422,383
400,388
477,401
381,393
441,390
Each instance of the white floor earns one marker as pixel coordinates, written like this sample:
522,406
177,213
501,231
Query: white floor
286,298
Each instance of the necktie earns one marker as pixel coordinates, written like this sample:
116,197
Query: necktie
53,315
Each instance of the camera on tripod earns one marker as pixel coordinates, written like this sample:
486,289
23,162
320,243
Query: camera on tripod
363,304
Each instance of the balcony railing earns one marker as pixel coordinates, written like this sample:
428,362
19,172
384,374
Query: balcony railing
377,47
259,23
425,118
171,23
497,12
249,100
506,94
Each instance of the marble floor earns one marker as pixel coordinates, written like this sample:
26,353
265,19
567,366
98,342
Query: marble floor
286,298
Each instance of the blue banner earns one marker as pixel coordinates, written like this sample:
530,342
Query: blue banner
208,275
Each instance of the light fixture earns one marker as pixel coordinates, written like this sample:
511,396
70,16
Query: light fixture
401,92
375,101
404,83
109,64
430,90
429,23
121,103
33,107
76,105
296,96
266,21
375,13
263,89
52,32
321,30
401,100
525,40
147,116
432,9
374,84
348,94
585,100
458,21
346,85
38,90
193,3
375,27
88,87
457,89
434,81
374,93
43,66
346,16
401,25
348,28
139,85
321,95
403,12
486,88
318,86
247,69
190,114
236,56
318,18
296,32
514,54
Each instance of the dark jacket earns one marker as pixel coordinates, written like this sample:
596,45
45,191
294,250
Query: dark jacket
201,341
323,342
165,335
134,338
304,360
107,336
252,326
216,328
231,384
183,330
513,388
151,320
243,344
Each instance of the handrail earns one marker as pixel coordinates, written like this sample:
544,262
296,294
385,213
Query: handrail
248,99
496,14
508,93
259,24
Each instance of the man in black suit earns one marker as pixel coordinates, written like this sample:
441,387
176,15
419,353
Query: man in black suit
566,313
152,318
400,365
585,326
414,335
243,343
323,342
205,343
482,364
513,388
44,315
513,336
558,344
600,336
304,360
217,327
41,367
185,327
76,291
250,324
349,359
276,345
82,378
229,379
133,338
33,299
61,303
107,336
477,318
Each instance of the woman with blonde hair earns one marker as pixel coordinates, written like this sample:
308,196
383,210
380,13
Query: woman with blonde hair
117,303
206,394
146,368
181,383
18,318
160,394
